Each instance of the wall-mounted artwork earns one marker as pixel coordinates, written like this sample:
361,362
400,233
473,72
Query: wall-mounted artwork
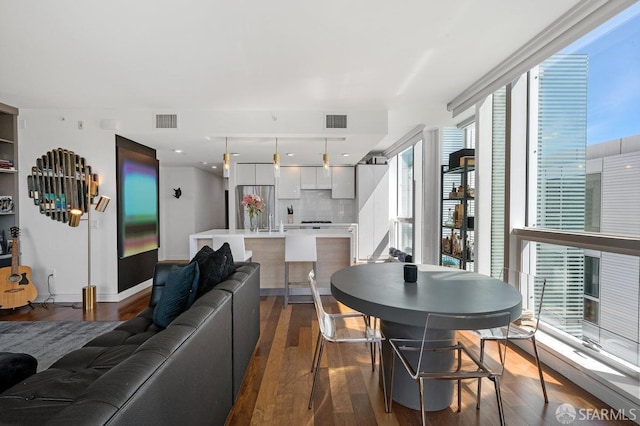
138,219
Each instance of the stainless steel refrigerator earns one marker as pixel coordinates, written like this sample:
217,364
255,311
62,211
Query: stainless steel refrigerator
268,194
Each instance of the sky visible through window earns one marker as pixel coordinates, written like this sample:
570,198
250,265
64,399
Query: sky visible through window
613,94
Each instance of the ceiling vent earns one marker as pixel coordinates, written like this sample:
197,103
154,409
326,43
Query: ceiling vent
335,121
166,121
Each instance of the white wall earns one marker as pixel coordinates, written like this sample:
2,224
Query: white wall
201,207
209,210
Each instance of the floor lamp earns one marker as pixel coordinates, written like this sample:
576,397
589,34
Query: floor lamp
89,291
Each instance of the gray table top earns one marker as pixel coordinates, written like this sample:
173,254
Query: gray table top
378,289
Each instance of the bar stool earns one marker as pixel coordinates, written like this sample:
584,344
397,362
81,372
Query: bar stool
298,248
236,243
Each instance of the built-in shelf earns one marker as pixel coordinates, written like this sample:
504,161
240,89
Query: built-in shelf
9,185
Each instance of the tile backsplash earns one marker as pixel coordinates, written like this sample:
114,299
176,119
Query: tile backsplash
317,204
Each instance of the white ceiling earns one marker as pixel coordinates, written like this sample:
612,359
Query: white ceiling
407,58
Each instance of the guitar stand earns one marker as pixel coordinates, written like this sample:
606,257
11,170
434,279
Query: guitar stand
31,305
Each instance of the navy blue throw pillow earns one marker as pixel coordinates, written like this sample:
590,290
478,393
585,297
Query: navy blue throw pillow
215,266
178,294
225,249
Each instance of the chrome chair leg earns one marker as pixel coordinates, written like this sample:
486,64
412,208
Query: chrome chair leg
482,342
421,387
496,382
459,381
286,284
535,352
372,354
315,352
315,374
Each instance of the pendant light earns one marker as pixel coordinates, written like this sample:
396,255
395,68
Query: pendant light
325,159
276,162
225,159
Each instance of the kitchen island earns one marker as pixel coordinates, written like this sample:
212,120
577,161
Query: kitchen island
334,247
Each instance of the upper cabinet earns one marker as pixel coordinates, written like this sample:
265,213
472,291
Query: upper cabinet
293,179
254,174
343,182
314,178
289,183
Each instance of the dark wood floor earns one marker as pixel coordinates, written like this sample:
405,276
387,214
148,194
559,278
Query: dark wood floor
278,381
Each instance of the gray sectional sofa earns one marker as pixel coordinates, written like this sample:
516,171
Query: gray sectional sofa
140,374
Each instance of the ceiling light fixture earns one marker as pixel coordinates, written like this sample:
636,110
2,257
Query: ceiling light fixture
226,159
325,159
276,162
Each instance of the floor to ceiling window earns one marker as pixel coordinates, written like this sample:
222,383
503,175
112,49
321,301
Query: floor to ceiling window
588,179
403,222
582,173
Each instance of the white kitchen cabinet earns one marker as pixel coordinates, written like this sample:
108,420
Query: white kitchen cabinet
245,174
289,183
373,211
314,178
323,181
254,174
264,174
307,178
343,182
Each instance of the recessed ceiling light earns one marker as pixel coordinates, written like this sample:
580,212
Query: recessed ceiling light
205,163
235,154
178,151
214,167
345,154
290,154
208,138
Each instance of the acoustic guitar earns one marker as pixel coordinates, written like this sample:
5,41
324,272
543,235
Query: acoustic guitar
16,288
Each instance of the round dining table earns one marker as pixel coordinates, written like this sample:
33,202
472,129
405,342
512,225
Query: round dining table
379,290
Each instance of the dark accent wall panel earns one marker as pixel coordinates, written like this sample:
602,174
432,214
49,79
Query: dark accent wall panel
136,268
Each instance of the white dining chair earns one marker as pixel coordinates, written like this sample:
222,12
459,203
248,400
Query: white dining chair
467,365
236,243
333,328
298,248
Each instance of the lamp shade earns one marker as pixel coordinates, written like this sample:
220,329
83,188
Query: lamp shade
74,217
102,203
276,162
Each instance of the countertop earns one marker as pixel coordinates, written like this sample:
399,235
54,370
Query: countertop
320,233
320,225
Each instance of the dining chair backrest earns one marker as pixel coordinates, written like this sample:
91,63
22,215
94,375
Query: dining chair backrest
526,283
300,248
325,322
463,322
236,243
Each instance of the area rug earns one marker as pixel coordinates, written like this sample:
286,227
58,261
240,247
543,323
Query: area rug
49,340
